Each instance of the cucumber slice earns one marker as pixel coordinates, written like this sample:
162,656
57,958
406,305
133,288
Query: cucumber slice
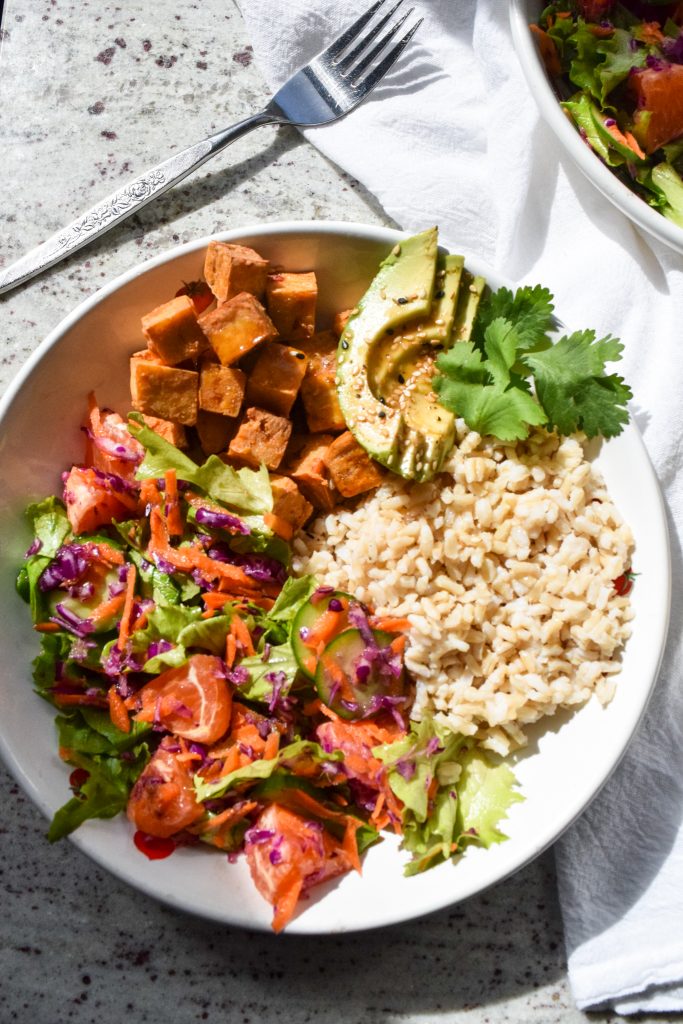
349,682
304,622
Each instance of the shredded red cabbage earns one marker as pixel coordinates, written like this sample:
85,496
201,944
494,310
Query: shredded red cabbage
68,566
259,567
71,622
221,521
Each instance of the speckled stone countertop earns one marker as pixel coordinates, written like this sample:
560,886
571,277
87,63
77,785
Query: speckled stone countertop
90,95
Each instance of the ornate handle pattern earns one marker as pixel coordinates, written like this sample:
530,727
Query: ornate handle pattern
122,203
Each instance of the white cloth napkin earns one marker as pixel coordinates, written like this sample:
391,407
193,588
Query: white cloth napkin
454,138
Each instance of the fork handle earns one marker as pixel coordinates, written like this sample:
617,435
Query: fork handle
126,201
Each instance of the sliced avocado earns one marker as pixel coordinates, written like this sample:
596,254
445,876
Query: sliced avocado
385,365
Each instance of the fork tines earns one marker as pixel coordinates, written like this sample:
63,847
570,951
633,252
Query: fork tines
349,54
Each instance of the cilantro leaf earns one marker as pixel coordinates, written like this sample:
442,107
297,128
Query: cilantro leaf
530,309
573,389
483,391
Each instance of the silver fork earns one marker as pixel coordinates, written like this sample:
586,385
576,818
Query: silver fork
328,87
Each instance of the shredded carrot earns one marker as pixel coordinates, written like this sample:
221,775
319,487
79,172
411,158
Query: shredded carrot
349,843
117,710
108,554
192,557
149,493
228,817
108,608
230,649
215,599
208,613
124,624
272,745
379,804
625,139
174,519
47,627
398,644
139,623
327,626
548,51
231,762
239,630
389,624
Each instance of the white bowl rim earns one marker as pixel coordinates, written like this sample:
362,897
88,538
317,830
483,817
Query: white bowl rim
373,233
630,204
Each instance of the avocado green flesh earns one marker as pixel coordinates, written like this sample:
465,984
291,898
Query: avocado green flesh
386,361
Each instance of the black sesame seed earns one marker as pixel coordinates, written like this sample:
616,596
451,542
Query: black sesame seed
401,379
299,355
382,415
390,330
440,294
402,301
345,344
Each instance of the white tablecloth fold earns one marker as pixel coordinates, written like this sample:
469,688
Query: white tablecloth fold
454,138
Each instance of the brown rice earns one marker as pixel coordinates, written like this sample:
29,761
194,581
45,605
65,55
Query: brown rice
504,566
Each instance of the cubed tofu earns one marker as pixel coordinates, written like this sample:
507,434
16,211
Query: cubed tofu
319,388
236,327
164,391
221,389
261,437
172,331
174,433
289,503
276,378
308,470
351,468
291,300
340,320
214,431
231,269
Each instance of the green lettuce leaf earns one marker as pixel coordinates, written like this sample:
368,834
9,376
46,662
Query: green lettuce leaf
305,751
259,687
105,792
486,791
244,490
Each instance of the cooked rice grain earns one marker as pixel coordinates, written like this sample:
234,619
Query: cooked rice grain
504,566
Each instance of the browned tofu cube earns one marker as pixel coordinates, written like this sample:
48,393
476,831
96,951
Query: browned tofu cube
236,327
221,389
319,388
164,391
276,378
231,269
351,468
261,437
309,471
172,331
289,503
291,301
174,433
214,431
340,321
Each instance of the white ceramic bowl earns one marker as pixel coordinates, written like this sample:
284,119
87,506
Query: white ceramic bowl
562,769
522,13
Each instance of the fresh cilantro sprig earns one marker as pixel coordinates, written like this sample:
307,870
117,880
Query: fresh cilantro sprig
488,381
